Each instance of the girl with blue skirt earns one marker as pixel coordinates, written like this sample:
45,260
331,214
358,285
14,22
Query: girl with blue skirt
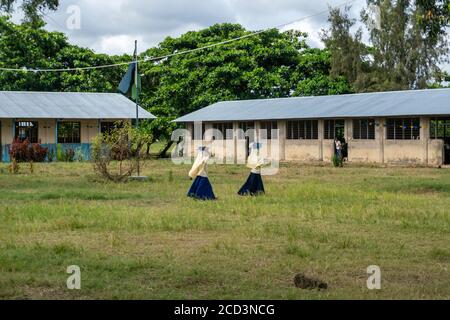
201,188
254,185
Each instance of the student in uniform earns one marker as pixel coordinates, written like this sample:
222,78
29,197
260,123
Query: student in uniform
254,185
201,188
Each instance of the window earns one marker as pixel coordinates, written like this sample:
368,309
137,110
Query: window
268,126
403,129
27,130
198,135
245,127
223,128
305,129
364,129
334,129
440,128
109,126
69,132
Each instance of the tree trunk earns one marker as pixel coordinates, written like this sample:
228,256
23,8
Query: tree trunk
162,153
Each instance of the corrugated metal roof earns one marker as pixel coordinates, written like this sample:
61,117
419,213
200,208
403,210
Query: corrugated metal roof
382,104
68,105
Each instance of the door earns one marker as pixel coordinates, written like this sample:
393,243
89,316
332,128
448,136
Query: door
447,151
339,133
440,129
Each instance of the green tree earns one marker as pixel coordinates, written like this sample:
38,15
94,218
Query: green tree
410,43
348,55
312,76
30,46
32,9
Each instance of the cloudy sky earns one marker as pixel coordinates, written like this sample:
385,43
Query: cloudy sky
111,26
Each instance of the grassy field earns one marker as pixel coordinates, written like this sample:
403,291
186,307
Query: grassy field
147,240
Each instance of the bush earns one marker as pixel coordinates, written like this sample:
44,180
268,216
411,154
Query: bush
78,155
27,152
68,155
337,161
117,154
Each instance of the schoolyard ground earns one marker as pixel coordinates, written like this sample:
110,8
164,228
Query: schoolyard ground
147,240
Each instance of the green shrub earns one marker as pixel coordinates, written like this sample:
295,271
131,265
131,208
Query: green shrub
337,161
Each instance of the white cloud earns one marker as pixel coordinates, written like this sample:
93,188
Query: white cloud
107,26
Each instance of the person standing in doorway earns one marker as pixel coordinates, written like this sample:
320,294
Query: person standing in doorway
338,150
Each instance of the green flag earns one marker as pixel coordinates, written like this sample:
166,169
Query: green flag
128,84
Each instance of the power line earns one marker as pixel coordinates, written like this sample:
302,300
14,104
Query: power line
149,59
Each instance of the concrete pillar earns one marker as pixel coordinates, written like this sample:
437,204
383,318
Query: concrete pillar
380,135
348,129
257,128
282,139
425,137
321,133
235,140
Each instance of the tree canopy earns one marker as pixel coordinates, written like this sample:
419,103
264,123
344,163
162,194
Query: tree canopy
405,49
32,9
26,45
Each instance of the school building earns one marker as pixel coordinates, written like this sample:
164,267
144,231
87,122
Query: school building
61,119
402,127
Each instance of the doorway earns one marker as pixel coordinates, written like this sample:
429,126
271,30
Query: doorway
339,131
447,150
335,129
440,129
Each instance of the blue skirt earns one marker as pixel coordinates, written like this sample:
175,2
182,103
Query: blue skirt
201,189
254,186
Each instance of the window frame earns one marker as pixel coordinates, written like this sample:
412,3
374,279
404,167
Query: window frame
441,129
264,125
366,131
403,128
71,138
310,129
193,131
112,125
34,129
245,126
331,128
223,127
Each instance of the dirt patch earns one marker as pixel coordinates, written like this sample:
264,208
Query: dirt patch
303,282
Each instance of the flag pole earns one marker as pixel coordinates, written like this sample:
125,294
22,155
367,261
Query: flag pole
136,82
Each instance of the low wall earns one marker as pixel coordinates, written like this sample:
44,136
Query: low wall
302,150
82,151
404,152
364,151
